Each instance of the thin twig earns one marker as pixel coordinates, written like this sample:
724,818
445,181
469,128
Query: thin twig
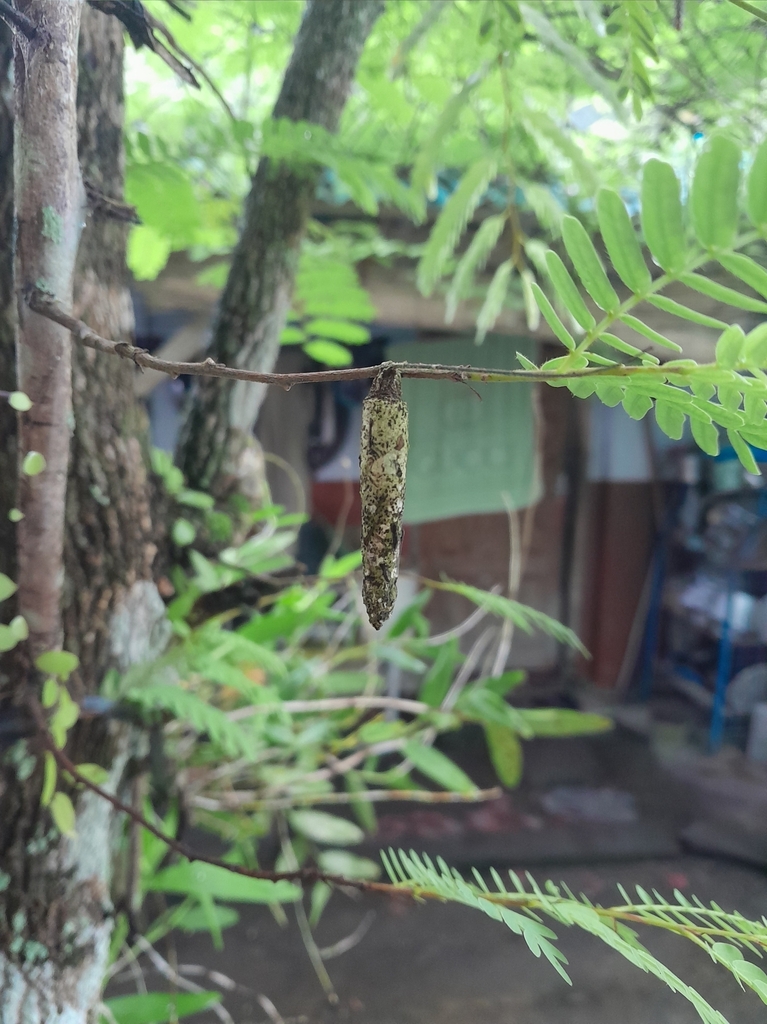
303,875
463,627
44,305
304,927
17,20
409,707
472,659
349,941
270,1009
215,977
240,798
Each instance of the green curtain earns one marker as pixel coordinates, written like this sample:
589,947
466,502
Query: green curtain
469,456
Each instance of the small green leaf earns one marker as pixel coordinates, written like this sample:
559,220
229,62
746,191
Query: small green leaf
620,345
57,663
321,893
33,464
743,452
730,347
341,862
50,773
662,215
19,627
436,766
328,352
670,419
495,296
195,879
195,499
588,265
754,275
636,404
292,336
7,586
339,330
648,332
63,718
621,242
755,347
50,692
15,515
326,828
95,773
63,814
706,435
714,193
551,317
19,401
568,291
684,312
506,754
723,294
8,639
157,1007
196,920
757,189
564,722
183,533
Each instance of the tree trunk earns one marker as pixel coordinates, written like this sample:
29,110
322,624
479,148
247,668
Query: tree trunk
109,547
55,911
49,210
8,442
217,436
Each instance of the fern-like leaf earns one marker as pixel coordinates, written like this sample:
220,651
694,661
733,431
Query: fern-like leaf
451,222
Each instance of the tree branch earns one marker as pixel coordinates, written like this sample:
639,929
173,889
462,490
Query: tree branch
17,20
45,305
302,875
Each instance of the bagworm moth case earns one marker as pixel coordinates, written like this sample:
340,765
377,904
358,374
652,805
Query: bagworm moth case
383,464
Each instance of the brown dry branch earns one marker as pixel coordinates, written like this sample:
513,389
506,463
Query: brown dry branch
44,304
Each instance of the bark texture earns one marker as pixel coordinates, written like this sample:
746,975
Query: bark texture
109,525
217,436
49,210
8,458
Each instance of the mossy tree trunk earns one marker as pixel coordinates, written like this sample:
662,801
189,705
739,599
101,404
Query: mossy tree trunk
216,445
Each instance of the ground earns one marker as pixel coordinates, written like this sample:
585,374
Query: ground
448,964
443,964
